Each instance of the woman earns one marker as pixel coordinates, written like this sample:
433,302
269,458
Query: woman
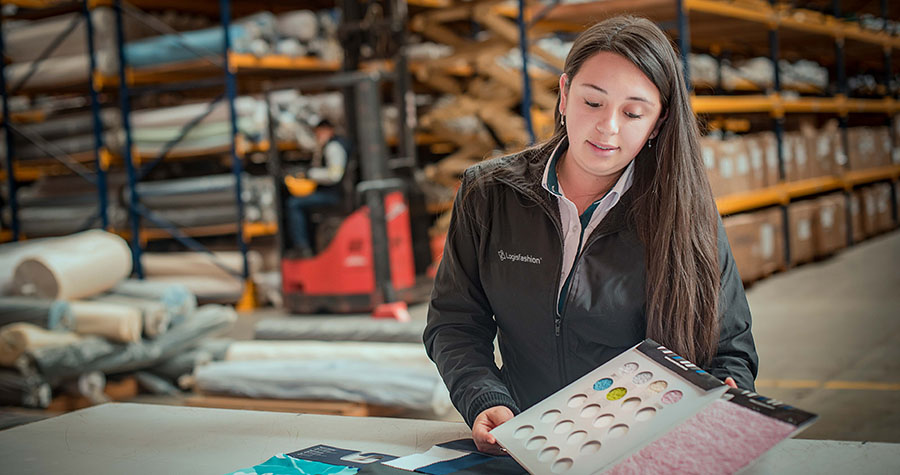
581,247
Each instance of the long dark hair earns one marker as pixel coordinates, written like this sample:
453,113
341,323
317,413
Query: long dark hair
674,212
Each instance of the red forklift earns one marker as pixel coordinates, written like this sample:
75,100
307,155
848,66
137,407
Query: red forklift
368,260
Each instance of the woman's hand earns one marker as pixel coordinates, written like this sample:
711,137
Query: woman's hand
487,420
730,381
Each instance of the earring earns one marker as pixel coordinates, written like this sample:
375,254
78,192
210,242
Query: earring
562,120
650,142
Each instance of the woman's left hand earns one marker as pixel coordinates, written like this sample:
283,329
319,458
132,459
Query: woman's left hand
730,381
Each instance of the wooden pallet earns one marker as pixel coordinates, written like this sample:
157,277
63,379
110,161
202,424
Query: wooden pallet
340,408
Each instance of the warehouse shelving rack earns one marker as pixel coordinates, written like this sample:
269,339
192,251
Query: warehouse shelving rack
193,74
100,154
764,22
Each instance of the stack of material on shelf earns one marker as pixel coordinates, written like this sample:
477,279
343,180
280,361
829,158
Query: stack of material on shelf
755,74
151,133
346,363
80,318
757,242
299,33
211,277
70,134
801,223
743,163
869,147
740,164
830,224
59,205
874,211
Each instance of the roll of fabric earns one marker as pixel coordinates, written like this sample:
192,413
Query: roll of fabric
179,301
17,338
115,322
159,264
408,354
299,24
182,364
207,289
68,125
25,391
61,363
90,385
72,267
49,314
417,388
154,384
339,329
155,317
245,106
171,48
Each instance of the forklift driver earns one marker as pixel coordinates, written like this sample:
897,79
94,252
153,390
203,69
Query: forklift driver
319,186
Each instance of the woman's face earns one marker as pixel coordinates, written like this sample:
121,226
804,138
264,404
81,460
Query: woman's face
611,109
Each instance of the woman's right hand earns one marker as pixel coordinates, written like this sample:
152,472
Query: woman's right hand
487,420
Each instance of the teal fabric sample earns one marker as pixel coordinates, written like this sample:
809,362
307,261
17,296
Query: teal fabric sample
283,465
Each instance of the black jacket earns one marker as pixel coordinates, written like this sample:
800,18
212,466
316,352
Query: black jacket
500,276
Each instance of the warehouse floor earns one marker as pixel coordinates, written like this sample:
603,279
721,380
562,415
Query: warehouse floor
828,337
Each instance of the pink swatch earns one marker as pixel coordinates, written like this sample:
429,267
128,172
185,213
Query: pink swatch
722,438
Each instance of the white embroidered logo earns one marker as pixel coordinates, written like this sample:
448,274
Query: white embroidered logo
504,256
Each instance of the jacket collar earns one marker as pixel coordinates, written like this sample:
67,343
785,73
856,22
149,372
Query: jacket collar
524,172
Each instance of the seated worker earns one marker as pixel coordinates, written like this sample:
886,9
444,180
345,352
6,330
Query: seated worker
319,186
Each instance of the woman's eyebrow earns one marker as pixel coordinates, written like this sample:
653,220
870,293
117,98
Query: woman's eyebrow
632,98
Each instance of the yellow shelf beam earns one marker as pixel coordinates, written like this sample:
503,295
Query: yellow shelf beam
776,105
251,230
813,186
732,104
783,193
738,202
862,177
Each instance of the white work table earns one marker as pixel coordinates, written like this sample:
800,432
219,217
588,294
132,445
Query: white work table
137,439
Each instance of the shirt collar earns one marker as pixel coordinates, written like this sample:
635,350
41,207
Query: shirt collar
550,180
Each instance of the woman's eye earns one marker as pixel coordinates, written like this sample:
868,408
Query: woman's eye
591,104
633,115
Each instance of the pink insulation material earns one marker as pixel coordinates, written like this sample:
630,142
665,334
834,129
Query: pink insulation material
722,438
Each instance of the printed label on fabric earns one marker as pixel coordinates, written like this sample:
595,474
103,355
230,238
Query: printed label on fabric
528,259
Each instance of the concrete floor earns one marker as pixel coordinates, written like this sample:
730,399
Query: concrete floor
828,337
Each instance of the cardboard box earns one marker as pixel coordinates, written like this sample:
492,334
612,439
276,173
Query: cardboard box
787,154
882,146
743,232
830,226
708,148
771,240
856,216
769,145
756,152
801,216
884,213
826,147
861,148
869,204
734,165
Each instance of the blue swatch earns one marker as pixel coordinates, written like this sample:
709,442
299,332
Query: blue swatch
603,384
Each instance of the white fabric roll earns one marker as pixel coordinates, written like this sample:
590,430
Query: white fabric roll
154,314
396,353
72,267
17,338
114,322
300,24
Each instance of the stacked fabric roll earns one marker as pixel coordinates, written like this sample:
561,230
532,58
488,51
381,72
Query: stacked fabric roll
60,205
78,318
149,42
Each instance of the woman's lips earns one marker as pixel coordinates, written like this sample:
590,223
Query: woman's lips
603,147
